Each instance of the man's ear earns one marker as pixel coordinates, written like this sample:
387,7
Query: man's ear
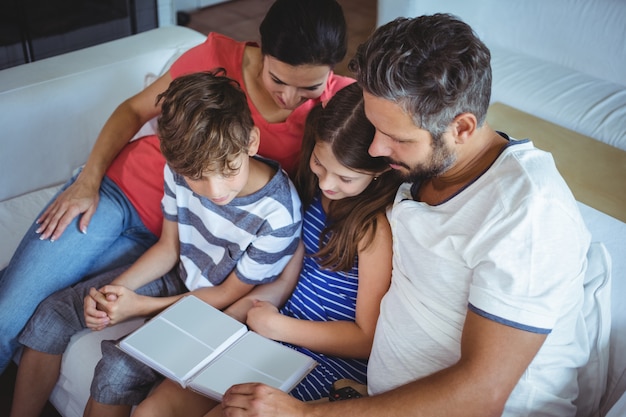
254,141
464,126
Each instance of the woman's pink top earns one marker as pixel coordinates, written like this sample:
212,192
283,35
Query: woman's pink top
138,169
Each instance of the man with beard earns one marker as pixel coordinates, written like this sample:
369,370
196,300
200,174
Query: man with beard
484,315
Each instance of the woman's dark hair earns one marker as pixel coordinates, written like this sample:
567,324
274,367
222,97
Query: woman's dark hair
351,221
304,32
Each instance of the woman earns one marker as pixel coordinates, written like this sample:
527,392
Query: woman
301,41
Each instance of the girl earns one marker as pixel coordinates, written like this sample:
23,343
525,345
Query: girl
301,41
332,312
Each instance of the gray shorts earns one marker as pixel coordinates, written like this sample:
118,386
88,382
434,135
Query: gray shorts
118,379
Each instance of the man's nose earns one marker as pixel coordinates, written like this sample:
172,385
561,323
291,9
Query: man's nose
378,147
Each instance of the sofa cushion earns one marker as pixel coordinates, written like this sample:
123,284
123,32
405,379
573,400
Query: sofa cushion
586,36
52,110
569,98
592,378
79,360
16,216
619,409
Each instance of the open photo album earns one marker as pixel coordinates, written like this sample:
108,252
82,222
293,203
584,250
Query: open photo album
206,350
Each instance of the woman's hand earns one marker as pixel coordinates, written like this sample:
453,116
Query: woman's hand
80,197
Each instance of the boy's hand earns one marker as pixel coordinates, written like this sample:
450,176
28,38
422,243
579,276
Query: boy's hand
95,318
118,302
263,318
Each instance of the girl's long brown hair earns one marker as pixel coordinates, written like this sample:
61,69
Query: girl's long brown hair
351,221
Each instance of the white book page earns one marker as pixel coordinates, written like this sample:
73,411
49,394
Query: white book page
253,358
183,338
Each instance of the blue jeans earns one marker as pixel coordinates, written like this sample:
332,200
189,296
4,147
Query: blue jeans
116,236
118,378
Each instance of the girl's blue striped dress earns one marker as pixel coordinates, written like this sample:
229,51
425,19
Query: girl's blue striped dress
322,295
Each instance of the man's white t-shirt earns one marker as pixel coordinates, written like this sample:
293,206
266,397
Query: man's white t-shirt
511,247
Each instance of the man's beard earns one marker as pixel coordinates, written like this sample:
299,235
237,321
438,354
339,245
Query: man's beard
442,159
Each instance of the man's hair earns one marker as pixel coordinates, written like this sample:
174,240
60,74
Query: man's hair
304,32
205,124
434,67
352,221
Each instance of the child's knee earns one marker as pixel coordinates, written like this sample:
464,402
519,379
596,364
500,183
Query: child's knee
119,379
145,409
52,326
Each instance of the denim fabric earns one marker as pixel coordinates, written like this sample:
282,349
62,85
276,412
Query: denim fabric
116,236
118,378
61,315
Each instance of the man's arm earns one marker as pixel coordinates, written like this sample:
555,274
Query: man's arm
83,195
493,358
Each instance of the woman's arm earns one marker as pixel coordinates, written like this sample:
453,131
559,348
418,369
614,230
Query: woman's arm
338,338
83,195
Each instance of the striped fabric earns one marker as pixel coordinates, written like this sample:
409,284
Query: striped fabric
322,295
254,235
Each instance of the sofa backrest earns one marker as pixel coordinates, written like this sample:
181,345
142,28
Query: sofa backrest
592,378
52,110
584,35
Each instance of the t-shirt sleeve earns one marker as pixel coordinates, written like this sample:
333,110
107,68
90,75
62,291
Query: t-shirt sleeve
217,51
269,253
265,259
334,84
168,202
532,267
192,59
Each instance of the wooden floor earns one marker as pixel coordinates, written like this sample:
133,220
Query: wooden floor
240,20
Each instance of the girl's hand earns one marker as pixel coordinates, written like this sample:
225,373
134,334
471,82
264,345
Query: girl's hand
264,319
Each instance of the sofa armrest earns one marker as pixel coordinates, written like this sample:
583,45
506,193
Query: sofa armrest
52,110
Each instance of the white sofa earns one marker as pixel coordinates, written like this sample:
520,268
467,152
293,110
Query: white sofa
563,61
52,110
50,114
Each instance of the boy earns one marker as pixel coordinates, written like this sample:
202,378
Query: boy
231,221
